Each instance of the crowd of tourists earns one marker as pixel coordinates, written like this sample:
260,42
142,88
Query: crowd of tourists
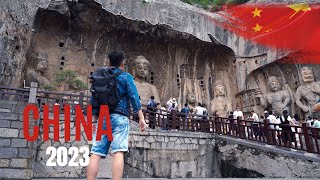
283,127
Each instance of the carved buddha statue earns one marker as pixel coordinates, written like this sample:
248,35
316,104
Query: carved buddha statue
278,98
141,67
307,95
221,104
36,74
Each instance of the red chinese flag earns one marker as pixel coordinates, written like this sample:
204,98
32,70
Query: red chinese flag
293,27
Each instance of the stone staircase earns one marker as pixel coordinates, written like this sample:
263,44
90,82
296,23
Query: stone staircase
16,154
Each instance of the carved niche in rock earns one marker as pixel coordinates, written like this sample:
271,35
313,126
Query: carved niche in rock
221,104
140,71
308,95
36,74
185,71
278,98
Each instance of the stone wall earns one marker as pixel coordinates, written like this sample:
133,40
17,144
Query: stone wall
186,155
170,155
16,154
40,168
247,159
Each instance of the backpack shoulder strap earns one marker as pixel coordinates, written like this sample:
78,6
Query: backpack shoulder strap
118,73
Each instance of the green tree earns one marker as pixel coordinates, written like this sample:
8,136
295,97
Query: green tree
65,76
68,79
77,84
49,88
214,4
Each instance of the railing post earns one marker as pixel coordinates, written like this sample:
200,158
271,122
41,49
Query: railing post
81,99
241,127
173,117
33,93
308,140
266,130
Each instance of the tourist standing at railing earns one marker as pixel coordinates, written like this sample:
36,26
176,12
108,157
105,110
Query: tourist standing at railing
287,134
266,114
296,120
273,120
199,111
126,89
232,124
185,111
273,125
162,117
204,125
151,107
152,103
237,113
255,124
205,111
172,105
316,123
309,121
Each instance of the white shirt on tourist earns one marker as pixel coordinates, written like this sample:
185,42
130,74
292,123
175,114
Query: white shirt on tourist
255,117
237,114
273,120
172,106
199,110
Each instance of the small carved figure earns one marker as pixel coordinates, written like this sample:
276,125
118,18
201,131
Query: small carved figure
220,105
191,99
37,74
307,95
278,98
141,67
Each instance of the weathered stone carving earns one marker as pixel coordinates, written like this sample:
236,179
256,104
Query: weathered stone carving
141,67
37,74
185,71
278,98
191,99
307,95
220,105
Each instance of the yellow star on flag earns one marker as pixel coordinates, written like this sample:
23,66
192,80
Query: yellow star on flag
299,7
256,12
257,28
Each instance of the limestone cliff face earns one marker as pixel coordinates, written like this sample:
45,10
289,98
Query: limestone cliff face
40,38
16,21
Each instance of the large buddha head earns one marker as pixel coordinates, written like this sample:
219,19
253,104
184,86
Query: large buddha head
141,67
219,89
42,65
274,83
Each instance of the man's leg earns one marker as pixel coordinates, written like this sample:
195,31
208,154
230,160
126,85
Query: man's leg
118,165
93,167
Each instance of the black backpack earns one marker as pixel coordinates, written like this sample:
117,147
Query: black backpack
104,89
